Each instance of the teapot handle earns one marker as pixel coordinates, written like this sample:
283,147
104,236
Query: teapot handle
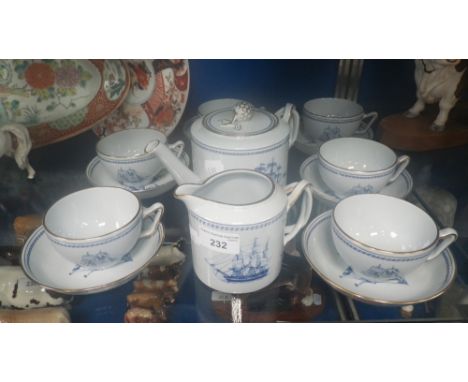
290,115
294,191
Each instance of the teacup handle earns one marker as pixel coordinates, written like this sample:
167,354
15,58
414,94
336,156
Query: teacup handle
158,210
177,147
402,163
365,126
290,115
294,191
446,237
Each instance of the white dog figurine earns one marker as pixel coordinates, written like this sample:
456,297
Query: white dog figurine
23,146
439,81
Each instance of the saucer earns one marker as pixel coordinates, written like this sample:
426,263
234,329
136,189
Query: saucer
98,176
400,188
44,265
427,282
310,147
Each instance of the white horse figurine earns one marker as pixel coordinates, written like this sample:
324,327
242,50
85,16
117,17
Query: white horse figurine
23,146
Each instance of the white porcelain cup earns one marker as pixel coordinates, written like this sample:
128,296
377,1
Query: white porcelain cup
96,227
217,104
328,118
350,166
384,238
124,157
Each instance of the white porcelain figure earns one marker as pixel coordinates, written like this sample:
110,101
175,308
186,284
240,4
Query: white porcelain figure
381,237
352,166
23,146
244,137
124,157
96,228
328,118
439,81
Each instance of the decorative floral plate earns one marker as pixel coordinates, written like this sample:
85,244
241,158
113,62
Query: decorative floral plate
157,97
58,99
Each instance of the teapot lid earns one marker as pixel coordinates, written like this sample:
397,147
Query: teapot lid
241,120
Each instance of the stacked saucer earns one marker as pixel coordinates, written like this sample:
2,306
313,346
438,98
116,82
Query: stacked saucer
380,250
93,240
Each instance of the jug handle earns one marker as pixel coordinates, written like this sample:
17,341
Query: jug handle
290,115
157,209
294,191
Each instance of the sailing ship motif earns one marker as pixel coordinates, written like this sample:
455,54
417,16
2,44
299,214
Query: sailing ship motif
369,189
377,275
128,176
330,132
97,262
246,266
272,169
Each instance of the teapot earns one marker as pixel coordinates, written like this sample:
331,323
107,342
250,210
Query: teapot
237,221
242,136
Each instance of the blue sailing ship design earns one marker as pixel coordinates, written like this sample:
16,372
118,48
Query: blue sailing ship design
330,132
90,263
376,275
369,189
128,176
246,266
272,169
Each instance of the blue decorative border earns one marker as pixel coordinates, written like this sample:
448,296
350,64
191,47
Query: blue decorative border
373,255
127,161
241,152
237,228
356,176
335,120
102,241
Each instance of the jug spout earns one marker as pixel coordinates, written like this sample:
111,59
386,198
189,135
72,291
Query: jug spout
181,173
186,192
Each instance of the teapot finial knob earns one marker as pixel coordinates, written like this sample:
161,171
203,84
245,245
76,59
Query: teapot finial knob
243,111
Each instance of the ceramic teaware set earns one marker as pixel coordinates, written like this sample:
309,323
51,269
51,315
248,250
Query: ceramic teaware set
93,240
238,203
323,119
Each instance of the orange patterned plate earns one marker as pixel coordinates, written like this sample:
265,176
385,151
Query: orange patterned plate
58,99
157,97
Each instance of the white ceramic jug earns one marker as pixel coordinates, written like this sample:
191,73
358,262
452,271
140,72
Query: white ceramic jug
238,227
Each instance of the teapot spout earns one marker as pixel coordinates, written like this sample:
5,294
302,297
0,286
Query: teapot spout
181,173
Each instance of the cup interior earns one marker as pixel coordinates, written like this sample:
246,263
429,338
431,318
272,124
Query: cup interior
91,213
128,143
385,223
333,108
357,154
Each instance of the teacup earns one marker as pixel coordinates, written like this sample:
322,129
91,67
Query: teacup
124,157
385,238
217,104
328,118
350,166
96,227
